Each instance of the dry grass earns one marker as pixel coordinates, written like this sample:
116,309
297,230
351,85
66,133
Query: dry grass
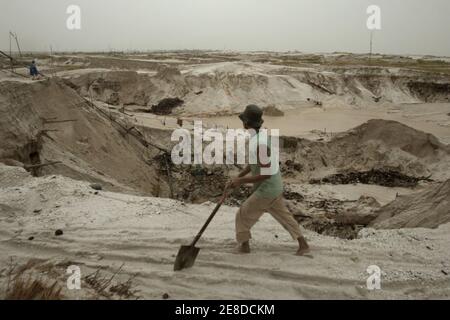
29,287
33,289
125,289
103,285
38,279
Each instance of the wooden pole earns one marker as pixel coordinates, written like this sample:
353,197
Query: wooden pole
10,44
18,47
51,62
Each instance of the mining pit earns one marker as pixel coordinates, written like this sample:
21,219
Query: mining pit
108,122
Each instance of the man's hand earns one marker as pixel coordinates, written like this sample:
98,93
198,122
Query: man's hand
244,172
235,183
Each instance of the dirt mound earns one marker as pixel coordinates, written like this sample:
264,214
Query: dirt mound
377,151
48,121
397,135
428,208
273,111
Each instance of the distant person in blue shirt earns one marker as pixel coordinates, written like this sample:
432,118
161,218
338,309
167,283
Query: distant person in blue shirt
34,73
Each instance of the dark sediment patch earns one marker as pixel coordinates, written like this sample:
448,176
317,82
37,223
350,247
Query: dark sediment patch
386,178
165,106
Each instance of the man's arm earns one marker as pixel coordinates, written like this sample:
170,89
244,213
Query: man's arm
241,179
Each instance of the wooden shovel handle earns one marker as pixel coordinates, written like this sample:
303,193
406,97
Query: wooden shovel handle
211,216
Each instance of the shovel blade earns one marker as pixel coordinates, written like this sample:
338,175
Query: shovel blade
186,257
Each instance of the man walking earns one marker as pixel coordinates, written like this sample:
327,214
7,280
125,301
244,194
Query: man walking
34,73
267,193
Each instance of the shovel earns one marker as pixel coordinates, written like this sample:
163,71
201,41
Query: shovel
187,254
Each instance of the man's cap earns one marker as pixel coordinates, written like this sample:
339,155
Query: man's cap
252,116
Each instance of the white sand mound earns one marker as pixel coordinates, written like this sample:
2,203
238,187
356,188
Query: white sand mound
428,209
105,230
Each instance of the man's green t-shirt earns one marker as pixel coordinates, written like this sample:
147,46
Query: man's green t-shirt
272,187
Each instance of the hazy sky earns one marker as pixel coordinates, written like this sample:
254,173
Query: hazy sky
408,26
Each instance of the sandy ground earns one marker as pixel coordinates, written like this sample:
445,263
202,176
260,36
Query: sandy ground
105,230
